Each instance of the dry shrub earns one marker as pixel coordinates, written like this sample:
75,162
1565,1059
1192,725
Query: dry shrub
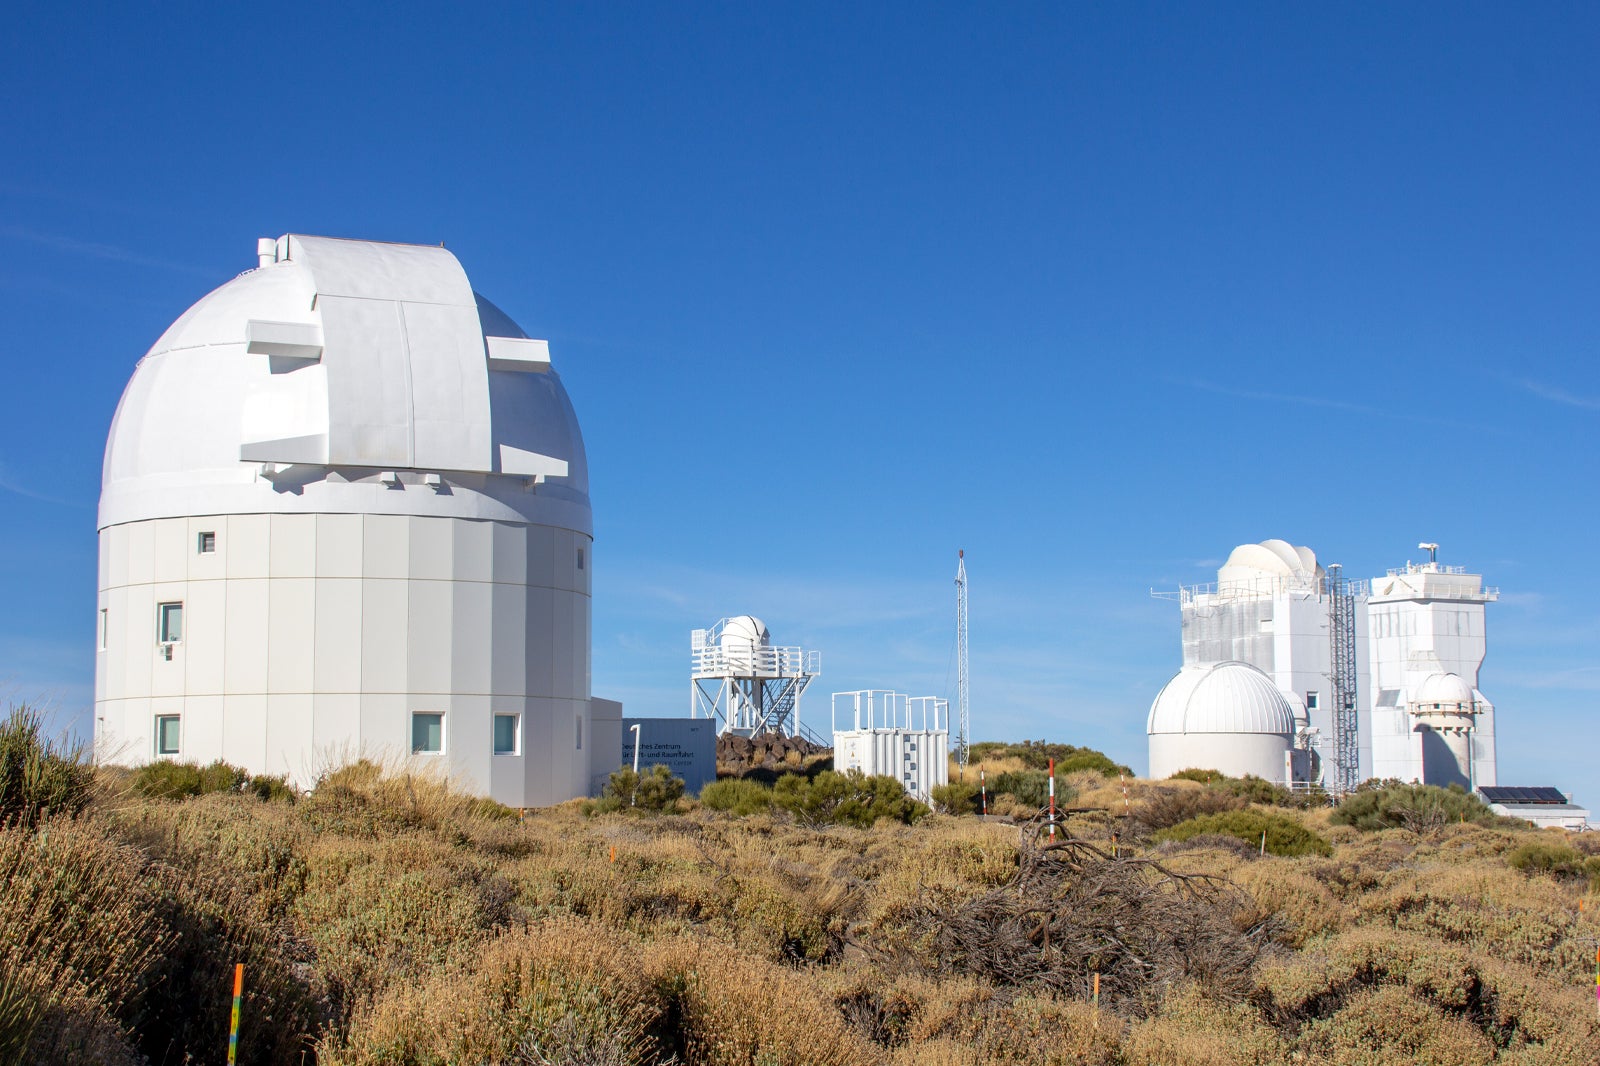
389,911
736,1010
78,919
1522,920
1509,1006
1070,911
1382,1026
1194,1029
562,991
366,799
1283,888
1164,807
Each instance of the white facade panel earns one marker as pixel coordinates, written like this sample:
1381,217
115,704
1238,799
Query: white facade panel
431,637
338,634
293,539
291,633
339,545
245,647
206,605
385,632
249,538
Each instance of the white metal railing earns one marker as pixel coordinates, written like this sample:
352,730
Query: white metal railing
749,659
883,709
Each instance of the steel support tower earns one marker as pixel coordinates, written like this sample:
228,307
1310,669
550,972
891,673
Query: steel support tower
1342,671
962,738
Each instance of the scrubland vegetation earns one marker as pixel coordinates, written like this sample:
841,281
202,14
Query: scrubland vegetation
385,918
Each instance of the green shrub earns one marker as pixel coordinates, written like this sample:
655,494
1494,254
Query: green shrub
1553,857
737,796
850,798
655,790
1391,805
180,780
1036,755
1031,788
956,797
1284,835
36,773
1205,777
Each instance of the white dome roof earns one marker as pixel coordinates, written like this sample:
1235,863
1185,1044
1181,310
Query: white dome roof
1227,697
744,629
297,386
1276,560
1446,689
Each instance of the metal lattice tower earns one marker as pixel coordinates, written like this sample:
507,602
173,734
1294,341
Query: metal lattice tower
961,659
1346,721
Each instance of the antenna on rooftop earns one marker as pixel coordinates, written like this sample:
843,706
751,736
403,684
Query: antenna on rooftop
1431,549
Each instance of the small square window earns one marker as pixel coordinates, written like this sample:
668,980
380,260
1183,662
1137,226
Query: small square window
167,734
427,733
1311,701
207,543
169,623
505,734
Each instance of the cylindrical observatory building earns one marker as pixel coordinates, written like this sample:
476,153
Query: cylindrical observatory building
345,513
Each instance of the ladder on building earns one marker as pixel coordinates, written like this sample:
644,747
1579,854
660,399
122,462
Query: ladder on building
1346,718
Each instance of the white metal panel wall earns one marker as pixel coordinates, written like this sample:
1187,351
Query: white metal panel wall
311,639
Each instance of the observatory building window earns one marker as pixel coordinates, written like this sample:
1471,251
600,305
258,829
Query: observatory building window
577,731
427,733
105,628
206,543
1311,701
580,558
505,734
169,623
167,734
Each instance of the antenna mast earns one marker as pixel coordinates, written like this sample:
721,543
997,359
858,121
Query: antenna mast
961,660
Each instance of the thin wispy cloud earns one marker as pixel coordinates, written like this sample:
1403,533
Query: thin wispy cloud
1559,395
110,253
1278,397
8,483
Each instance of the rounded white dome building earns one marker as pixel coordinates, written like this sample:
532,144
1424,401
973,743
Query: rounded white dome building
1225,716
344,512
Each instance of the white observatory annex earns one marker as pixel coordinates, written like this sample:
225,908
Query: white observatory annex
345,511
1294,674
747,684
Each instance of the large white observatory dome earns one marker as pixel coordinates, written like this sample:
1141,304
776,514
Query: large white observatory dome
1226,716
1271,563
345,511
329,375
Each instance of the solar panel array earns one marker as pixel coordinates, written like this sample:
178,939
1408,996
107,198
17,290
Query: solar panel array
1502,794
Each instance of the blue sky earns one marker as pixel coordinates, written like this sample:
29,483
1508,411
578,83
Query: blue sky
1095,292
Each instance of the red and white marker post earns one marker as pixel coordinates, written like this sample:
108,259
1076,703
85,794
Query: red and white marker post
1052,799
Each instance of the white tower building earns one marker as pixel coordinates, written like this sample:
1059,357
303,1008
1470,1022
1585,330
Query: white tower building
1270,607
745,682
345,511
1427,642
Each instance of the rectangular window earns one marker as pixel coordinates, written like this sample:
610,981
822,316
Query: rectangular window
505,734
427,733
207,543
167,734
578,731
1311,701
105,628
580,558
169,623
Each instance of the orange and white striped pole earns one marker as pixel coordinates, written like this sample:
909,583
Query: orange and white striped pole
233,1027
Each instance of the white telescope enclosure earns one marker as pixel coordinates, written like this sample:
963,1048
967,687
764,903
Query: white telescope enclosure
747,684
345,513
880,732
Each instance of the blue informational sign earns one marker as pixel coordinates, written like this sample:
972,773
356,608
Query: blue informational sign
686,746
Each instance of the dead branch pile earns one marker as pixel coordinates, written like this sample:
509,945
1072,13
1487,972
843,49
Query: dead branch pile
1075,909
